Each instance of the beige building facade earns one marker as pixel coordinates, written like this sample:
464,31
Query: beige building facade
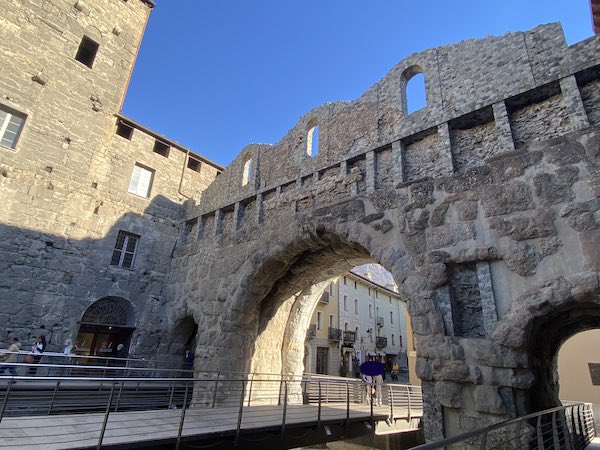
356,320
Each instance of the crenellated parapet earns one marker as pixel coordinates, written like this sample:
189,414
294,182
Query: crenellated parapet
485,97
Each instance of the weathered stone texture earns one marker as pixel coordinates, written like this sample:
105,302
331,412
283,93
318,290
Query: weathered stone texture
422,158
473,145
590,95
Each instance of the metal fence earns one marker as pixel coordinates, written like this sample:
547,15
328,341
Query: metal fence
213,399
569,427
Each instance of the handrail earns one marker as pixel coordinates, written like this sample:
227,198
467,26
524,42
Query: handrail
484,432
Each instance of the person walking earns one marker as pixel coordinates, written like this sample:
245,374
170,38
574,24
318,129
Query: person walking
13,347
37,349
378,381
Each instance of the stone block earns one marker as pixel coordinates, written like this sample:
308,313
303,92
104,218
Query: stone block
506,198
450,234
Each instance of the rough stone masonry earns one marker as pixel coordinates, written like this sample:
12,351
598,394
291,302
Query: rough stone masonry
483,205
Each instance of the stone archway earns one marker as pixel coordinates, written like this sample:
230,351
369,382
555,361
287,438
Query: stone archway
105,324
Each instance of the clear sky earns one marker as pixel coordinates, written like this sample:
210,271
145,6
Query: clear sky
216,75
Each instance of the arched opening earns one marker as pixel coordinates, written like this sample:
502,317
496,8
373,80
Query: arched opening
288,320
183,338
548,334
579,368
312,140
415,95
247,172
106,323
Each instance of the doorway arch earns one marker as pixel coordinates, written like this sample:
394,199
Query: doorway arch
105,324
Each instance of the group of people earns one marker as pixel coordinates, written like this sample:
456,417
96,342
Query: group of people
374,389
34,357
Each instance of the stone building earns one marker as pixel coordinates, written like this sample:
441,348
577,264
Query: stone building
91,202
356,319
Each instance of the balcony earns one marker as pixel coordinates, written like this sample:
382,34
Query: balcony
324,298
335,334
380,321
312,331
380,342
349,337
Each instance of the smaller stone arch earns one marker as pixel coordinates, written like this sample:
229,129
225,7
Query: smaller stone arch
414,92
312,138
105,324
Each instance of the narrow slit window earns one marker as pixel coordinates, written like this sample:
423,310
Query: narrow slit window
161,148
247,172
312,141
194,164
124,130
86,53
415,93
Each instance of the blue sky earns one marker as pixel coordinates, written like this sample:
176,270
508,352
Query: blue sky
216,75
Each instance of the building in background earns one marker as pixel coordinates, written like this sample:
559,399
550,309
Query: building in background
91,202
355,320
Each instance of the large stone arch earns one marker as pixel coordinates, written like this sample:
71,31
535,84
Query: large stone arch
490,189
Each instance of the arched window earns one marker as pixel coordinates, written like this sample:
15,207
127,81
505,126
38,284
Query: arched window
415,97
247,172
312,141
113,311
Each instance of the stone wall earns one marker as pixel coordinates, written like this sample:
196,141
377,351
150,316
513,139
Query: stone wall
489,190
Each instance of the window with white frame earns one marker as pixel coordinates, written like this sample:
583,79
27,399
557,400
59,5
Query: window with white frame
391,317
331,320
11,125
330,288
319,320
393,340
141,180
345,326
345,303
125,250
370,311
355,306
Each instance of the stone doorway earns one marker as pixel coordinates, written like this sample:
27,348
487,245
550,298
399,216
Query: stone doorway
108,322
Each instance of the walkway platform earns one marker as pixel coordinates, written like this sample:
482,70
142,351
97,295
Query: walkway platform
138,428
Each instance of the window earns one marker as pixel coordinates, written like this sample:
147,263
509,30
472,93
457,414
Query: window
312,141
393,340
356,331
345,303
193,164
344,281
370,311
11,124
415,97
355,285
141,180
331,320
124,130
345,326
376,294
355,306
390,297
369,292
330,288
391,317
86,53
161,148
125,248
247,172
319,320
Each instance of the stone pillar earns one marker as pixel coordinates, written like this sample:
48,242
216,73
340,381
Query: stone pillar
218,220
344,168
445,147
486,294
505,139
398,162
572,100
259,208
370,171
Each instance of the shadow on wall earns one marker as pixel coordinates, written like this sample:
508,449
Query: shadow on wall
48,281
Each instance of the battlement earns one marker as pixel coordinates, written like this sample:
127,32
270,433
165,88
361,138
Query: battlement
485,97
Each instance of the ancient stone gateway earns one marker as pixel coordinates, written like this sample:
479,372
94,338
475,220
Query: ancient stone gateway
483,205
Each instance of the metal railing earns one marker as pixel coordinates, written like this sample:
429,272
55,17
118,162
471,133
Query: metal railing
349,336
334,334
279,400
380,342
311,332
569,427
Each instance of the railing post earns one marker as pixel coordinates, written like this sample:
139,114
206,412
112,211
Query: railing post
391,398
171,395
105,422
319,407
119,396
285,402
239,422
539,433
5,402
409,397
182,419
347,405
53,397
250,388
214,399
